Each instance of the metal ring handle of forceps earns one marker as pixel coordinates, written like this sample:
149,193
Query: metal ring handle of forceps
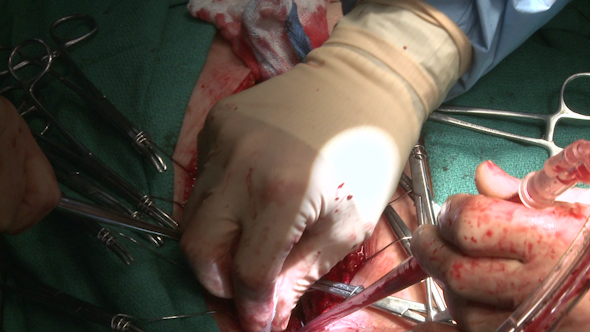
145,203
141,140
63,43
104,216
550,120
28,86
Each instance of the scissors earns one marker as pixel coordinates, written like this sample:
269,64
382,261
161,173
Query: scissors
140,140
547,141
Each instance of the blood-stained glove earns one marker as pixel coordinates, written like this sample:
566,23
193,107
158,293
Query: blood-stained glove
28,188
490,253
295,172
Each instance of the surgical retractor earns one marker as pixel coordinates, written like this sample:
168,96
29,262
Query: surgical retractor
538,190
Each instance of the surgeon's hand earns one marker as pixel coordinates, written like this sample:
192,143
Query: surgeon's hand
295,172
270,215
28,189
490,254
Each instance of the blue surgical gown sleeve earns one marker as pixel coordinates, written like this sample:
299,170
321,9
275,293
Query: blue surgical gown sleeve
494,27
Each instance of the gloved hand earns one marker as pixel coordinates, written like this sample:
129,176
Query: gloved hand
28,188
295,172
490,254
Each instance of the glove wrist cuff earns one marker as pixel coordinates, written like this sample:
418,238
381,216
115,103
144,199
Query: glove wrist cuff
413,40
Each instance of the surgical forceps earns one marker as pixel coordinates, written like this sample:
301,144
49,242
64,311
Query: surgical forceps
400,307
84,186
140,140
403,234
425,213
105,237
399,227
101,215
75,153
547,141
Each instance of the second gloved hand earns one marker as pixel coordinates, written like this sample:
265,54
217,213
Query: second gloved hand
295,172
490,254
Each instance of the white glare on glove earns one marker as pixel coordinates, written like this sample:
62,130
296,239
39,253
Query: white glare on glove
295,172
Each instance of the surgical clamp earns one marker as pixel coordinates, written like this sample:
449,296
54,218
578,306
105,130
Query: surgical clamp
551,120
84,186
405,182
425,215
44,294
105,237
93,212
76,153
140,139
400,307
399,227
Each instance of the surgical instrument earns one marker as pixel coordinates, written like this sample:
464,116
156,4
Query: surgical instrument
104,236
85,160
81,184
400,307
402,276
39,292
547,141
421,185
405,182
399,227
141,140
104,216
76,153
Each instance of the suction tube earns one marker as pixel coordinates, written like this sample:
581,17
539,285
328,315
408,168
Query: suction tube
538,190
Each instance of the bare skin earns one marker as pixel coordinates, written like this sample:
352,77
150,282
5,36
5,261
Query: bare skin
28,188
490,254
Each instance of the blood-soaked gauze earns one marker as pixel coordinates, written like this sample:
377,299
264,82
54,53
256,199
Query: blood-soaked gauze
386,66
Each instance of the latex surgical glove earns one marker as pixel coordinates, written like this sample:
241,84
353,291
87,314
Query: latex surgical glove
28,188
490,254
295,172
